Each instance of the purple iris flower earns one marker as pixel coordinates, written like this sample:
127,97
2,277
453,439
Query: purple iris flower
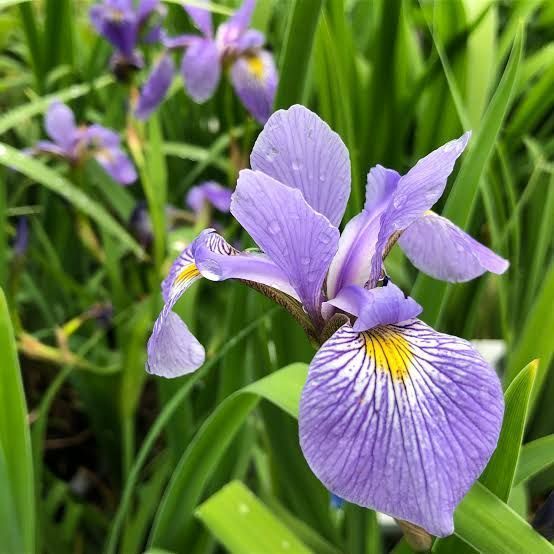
211,193
234,46
124,25
21,239
394,415
76,144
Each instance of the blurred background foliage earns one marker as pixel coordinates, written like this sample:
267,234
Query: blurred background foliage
102,458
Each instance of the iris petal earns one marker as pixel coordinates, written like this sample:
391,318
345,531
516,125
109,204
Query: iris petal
298,240
415,193
442,250
202,18
254,78
60,125
155,87
300,150
401,419
201,69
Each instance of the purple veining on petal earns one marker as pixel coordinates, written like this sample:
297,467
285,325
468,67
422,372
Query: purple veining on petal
300,150
442,250
416,192
300,241
400,419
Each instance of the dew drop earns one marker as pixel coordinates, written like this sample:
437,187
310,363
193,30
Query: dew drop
305,260
296,165
322,177
274,227
325,239
243,508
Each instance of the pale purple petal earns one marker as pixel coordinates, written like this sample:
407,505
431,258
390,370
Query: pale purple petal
230,33
47,147
300,150
254,78
155,88
202,19
101,137
217,260
211,192
416,193
201,69
117,22
300,241
442,250
351,265
379,306
250,40
59,124
400,419
117,165
172,349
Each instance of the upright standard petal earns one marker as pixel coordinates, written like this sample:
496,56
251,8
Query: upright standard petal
201,69
415,193
442,250
351,265
380,306
155,87
215,194
300,150
202,18
230,32
400,419
300,241
254,78
117,22
60,126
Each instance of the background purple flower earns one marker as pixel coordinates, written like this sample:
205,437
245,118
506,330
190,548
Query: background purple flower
76,144
252,69
209,192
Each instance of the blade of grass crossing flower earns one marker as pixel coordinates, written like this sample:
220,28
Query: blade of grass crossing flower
499,474
18,115
296,51
459,205
243,524
159,424
535,456
16,464
42,174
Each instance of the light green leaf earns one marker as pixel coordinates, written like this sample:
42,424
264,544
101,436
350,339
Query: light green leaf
499,474
492,527
42,174
535,456
244,525
16,464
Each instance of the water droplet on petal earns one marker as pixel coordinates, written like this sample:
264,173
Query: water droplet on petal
322,177
325,239
274,227
296,165
305,260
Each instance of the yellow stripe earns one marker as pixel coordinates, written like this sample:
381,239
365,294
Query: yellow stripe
390,350
256,66
188,272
